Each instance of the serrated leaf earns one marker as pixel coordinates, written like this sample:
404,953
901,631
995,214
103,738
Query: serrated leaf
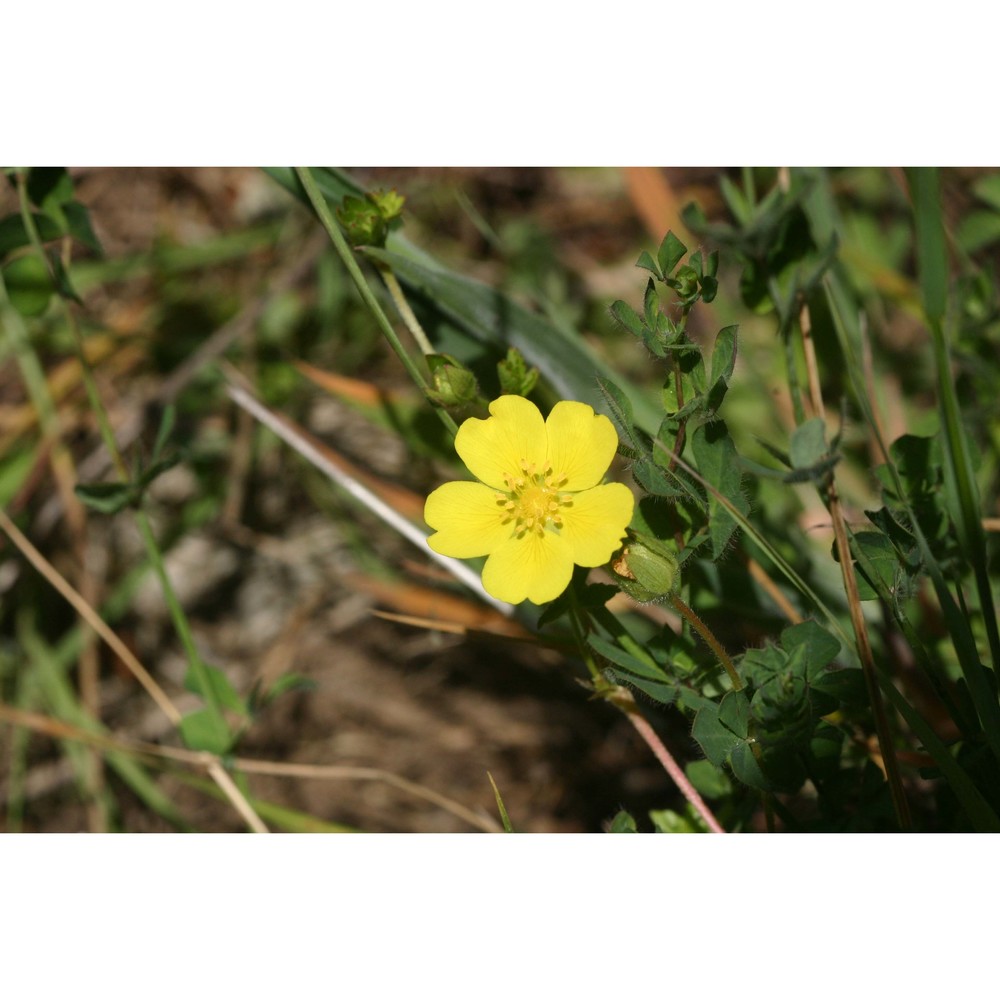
670,253
647,262
718,463
619,406
746,769
628,318
651,305
717,741
723,364
877,564
734,713
817,646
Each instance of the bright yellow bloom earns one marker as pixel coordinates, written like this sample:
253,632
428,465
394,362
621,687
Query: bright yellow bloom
537,508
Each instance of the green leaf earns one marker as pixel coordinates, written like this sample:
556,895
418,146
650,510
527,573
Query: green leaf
205,730
808,445
167,420
746,769
13,235
625,660
628,318
979,811
504,818
988,189
29,285
723,364
709,780
225,693
105,498
817,646
979,229
648,263
670,253
734,713
718,462
620,408
932,255
877,565
49,187
623,823
668,821
717,741
490,317
78,226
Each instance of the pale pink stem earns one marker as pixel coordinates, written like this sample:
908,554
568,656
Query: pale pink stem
672,768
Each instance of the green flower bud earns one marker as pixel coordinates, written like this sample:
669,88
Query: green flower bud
454,384
516,379
646,569
362,222
389,204
686,283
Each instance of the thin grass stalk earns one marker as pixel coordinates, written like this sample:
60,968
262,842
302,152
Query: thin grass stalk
862,643
933,267
340,244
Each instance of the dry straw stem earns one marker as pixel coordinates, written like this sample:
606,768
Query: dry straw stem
326,772
891,764
92,618
309,450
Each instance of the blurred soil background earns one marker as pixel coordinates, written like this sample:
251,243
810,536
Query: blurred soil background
278,571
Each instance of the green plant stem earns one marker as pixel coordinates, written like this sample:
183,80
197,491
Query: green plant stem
689,615
177,614
411,321
337,238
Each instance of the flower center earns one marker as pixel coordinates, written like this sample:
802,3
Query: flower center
532,500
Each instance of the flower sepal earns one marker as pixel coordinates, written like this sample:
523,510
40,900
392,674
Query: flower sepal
646,569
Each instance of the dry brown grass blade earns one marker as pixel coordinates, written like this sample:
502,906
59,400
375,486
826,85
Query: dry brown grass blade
434,605
94,620
354,390
90,616
656,203
325,772
405,502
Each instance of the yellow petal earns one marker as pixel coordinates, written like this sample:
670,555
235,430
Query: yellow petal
581,444
467,518
594,523
496,446
535,568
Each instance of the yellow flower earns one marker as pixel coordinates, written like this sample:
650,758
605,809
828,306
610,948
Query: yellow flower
538,507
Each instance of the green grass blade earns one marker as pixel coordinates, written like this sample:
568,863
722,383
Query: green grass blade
490,317
933,265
